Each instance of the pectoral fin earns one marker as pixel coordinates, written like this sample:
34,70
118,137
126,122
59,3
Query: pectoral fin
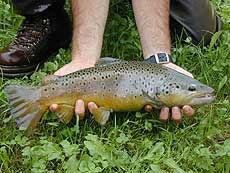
152,101
101,115
65,113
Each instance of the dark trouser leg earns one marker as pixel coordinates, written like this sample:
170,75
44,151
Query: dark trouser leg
30,7
197,17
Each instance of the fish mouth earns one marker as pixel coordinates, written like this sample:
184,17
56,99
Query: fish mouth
192,98
200,98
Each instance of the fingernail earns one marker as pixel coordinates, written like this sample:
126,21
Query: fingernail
53,108
79,103
91,105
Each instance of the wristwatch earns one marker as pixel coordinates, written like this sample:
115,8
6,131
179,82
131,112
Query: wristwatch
159,58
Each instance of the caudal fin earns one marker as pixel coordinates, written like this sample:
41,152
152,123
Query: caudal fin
24,105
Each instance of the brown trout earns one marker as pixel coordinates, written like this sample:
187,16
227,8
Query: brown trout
114,85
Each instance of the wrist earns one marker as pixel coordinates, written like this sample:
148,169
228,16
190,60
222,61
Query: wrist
159,58
85,62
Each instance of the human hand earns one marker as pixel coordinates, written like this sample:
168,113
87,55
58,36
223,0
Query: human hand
176,112
74,66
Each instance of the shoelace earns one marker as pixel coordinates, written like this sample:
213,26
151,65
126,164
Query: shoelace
30,33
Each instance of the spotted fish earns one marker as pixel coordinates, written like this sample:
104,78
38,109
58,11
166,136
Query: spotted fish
114,85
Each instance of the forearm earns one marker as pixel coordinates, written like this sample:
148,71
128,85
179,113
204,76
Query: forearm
152,18
89,19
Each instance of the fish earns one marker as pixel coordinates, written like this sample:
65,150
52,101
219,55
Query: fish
114,85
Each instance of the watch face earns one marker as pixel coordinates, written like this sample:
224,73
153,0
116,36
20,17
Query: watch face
162,57
159,58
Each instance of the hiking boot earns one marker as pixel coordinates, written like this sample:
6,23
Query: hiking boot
39,37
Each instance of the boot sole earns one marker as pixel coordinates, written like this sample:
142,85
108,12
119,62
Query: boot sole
19,71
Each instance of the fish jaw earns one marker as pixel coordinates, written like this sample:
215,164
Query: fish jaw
181,99
202,99
173,100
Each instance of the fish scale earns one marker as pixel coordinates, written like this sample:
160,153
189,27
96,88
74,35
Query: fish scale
113,85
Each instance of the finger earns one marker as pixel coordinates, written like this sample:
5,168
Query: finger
188,110
164,114
176,114
80,109
59,73
54,107
148,108
177,68
92,106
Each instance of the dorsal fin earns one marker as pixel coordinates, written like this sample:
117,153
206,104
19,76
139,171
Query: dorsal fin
108,60
49,79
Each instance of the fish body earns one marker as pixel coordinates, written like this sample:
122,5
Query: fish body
115,86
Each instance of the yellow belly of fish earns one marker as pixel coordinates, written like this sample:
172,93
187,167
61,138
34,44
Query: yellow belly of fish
119,104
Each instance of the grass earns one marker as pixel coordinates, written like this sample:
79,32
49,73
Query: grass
130,142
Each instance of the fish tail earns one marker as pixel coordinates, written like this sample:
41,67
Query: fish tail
24,105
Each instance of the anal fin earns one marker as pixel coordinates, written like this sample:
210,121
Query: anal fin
65,113
101,115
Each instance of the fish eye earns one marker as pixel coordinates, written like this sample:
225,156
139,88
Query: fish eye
192,88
